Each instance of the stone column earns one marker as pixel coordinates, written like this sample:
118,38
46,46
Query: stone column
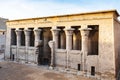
18,35
27,37
69,33
38,42
55,36
27,42
85,34
37,36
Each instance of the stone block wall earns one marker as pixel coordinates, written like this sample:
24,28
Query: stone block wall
93,61
30,56
75,58
60,58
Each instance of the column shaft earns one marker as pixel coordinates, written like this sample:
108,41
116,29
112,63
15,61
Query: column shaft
69,33
38,42
27,43
27,37
18,34
85,35
37,33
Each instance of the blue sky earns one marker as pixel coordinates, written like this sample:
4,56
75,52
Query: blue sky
18,9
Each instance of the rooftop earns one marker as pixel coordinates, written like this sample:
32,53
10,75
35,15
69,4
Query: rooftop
95,12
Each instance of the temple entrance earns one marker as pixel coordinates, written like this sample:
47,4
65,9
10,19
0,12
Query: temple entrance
44,56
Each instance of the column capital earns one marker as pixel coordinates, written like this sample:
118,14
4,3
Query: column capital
18,32
69,31
55,31
27,32
85,31
37,31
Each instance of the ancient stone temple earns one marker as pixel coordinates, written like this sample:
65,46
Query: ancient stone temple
85,43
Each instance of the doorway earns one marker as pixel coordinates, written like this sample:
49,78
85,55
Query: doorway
79,67
92,70
44,56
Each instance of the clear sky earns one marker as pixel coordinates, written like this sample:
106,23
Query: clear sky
18,9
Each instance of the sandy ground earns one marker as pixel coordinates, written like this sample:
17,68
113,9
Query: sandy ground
19,71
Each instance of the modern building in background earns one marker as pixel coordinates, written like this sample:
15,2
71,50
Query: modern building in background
86,43
2,34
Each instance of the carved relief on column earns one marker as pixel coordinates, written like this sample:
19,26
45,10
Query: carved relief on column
85,35
55,33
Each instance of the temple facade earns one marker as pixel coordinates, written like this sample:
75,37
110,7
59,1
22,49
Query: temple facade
85,43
